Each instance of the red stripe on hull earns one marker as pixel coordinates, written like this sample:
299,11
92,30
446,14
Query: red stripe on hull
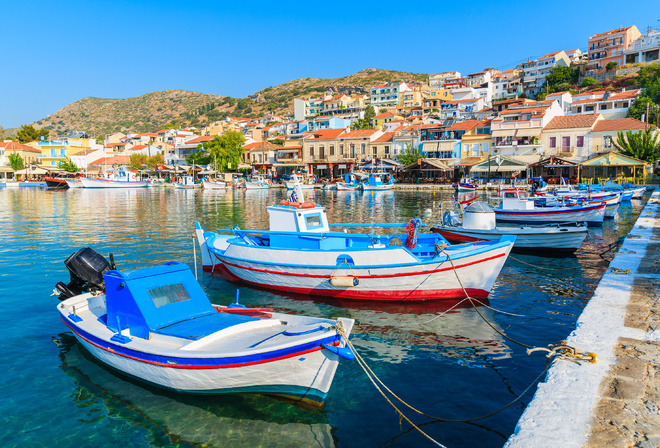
457,237
384,296
407,274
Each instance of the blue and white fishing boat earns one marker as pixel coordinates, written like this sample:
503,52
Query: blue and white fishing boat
350,183
516,207
300,254
257,182
186,183
465,185
156,324
375,182
308,184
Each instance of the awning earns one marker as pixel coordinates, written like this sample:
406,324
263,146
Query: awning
6,169
278,164
32,171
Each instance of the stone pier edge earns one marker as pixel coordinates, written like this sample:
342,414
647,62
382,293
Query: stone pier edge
561,412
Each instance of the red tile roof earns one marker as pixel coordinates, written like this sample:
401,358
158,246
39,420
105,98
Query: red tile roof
463,125
110,145
572,121
137,147
116,160
385,114
627,95
619,124
202,139
359,134
548,55
326,134
15,146
386,137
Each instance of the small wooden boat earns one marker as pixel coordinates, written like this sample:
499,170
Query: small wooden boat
257,183
74,183
465,185
308,184
215,184
156,324
479,224
375,183
56,183
187,183
121,178
300,254
516,207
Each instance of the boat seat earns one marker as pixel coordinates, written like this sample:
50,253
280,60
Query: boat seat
203,326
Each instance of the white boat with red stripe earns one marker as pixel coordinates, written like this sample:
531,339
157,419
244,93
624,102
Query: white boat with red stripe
156,324
300,254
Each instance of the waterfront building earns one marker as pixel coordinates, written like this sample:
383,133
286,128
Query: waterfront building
28,154
321,151
55,151
570,137
404,137
476,142
354,144
605,131
381,147
517,130
444,142
565,99
184,149
610,47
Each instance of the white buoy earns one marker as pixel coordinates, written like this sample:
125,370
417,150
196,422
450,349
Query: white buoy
345,281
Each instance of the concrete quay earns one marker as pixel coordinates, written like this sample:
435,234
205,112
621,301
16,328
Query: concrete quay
616,401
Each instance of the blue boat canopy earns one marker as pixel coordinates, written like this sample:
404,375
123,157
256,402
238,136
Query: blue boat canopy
164,299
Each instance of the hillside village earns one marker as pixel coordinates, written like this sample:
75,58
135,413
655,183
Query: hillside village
457,122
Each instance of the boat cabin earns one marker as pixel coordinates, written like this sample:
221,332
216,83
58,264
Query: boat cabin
375,180
163,299
187,181
516,199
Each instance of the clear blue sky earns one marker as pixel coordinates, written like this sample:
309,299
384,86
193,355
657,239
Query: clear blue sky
57,52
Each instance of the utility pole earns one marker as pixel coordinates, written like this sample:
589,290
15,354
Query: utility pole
647,115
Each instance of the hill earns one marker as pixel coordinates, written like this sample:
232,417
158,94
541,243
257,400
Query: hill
181,108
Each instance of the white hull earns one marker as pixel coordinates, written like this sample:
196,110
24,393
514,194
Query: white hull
106,183
183,186
403,278
551,238
289,185
74,183
377,188
344,187
211,185
593,215
257,358
256,186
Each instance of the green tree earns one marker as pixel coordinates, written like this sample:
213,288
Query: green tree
649,80
369,113
638,108
586,82
27,133
611,65
361,123
642,145
243,104
16,161
225,150
68,166
410,155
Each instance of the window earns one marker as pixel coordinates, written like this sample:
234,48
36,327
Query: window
374,150
341,149
313,221
363,148
565,144
164,295
553,142
607,141
580,141
387,150
311,151
332,150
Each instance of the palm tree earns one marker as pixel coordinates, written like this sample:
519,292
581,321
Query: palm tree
643,145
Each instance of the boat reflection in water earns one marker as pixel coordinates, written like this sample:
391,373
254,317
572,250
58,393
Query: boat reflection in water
401,332
245,420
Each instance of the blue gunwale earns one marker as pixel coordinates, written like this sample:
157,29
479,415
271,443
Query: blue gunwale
200,362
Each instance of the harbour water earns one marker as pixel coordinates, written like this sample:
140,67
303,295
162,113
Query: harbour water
449,364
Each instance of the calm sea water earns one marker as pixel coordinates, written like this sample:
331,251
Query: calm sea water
449,365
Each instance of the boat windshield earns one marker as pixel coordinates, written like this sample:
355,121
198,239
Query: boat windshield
167,294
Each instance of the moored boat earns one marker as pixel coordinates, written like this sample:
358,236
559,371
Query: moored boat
375,182
308,184
74,183
516,207
186,183
300,254
257,183
215,184
479,224
156,324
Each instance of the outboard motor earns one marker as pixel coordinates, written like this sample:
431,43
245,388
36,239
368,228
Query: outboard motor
86,268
